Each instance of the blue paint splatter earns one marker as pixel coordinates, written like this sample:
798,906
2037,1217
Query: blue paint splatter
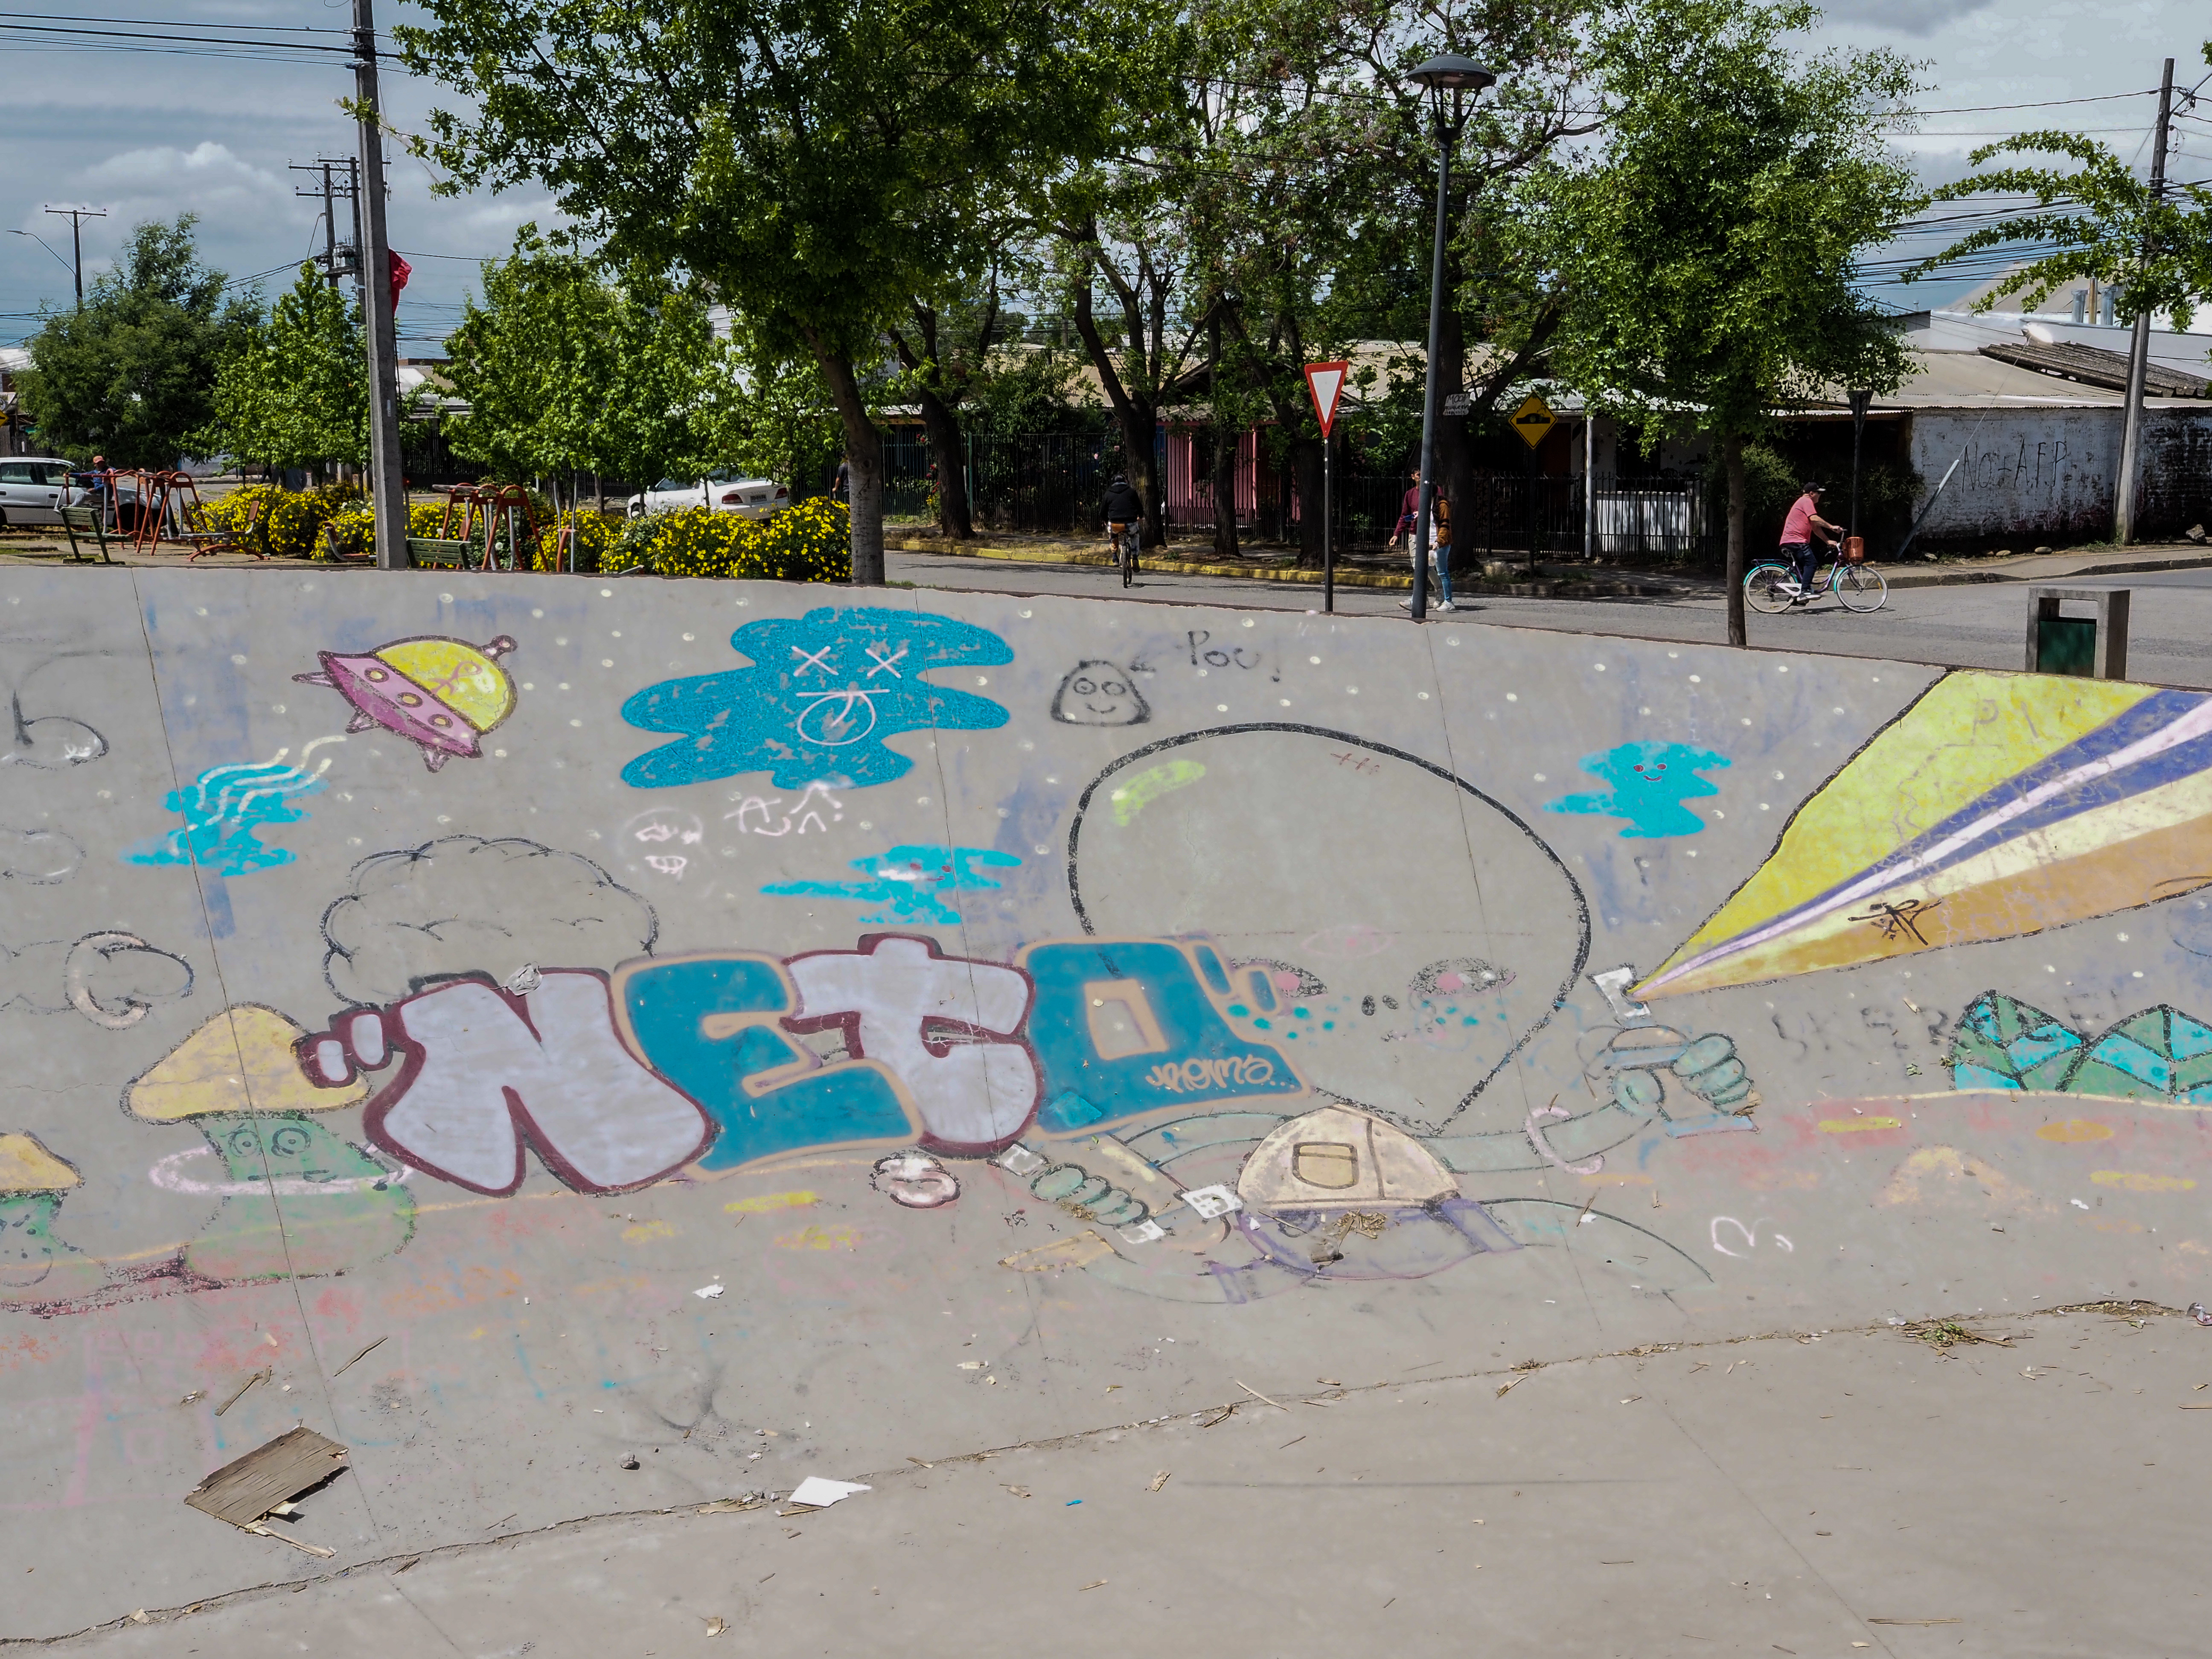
1650,782
221,810
823,692
907,882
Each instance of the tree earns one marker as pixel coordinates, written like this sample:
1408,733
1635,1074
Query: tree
1708,257
2099,220
293,391
564,373
132,374
813,162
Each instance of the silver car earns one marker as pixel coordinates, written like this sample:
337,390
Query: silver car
33,489
722,492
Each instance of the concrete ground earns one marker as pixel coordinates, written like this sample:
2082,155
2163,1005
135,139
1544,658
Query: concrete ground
1890,1491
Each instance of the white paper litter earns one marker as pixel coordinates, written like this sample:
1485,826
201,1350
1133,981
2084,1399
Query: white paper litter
819,1494
707,1293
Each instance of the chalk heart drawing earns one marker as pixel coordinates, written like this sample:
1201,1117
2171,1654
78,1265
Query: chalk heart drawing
1099,693
223,810
1650,782
35,1266
909,883
1421,974
440,694
237,1079
1997,805
822,695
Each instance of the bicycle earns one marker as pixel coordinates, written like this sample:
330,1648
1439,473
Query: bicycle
1772,588
1124,538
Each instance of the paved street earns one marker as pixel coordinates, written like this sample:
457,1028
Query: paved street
1976,625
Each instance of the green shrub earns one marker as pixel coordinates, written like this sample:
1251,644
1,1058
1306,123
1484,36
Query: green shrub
293,519
809,543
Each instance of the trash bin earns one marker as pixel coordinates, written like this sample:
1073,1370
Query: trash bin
2089,648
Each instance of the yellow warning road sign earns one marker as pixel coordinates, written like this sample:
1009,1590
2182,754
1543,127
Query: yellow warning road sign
1534,419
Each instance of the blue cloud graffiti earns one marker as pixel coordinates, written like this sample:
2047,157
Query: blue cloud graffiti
221,810
822,695
906,880
1650,782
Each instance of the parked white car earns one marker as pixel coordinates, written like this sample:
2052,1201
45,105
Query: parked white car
34,489
724,492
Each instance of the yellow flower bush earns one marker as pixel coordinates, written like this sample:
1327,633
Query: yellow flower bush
812,541
293,519
594,535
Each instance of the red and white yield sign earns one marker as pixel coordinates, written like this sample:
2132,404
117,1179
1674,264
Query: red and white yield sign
1326,382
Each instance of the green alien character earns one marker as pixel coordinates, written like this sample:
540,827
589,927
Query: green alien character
36,1267
298,1202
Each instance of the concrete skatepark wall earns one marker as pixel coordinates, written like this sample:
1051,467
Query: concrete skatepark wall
527,1024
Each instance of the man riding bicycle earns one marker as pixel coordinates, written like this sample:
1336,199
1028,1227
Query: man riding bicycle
1125,521
1805,534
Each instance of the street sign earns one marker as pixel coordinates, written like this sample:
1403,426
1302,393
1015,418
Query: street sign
1326,382
1533,420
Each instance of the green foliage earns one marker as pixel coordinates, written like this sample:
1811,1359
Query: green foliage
2100,222
294,392
593,536
809,543
132,375
293,520
564,373
1710,249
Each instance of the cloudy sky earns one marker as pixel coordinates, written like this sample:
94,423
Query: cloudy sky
150,134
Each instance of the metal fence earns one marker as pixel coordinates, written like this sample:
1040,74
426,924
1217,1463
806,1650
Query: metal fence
1051,482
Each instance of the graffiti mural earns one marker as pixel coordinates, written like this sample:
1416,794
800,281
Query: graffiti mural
823,694
1651,782
908,882
2159,1055
1995,805
1096,693
35,1266
223,810
440,695
112,978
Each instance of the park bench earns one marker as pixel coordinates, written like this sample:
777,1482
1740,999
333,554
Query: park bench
85,520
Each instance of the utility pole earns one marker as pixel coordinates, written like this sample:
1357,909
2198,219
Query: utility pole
387,488
77,216
2124,505
339,257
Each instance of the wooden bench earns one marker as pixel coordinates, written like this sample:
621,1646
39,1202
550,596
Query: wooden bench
85,520
430,551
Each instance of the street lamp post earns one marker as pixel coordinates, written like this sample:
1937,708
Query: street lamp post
1860,400
1446,72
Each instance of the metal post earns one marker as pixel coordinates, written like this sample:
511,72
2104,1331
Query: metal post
1445,139
2124,505
387,488
1589,484
77,216
1328,528
330,231
1860,400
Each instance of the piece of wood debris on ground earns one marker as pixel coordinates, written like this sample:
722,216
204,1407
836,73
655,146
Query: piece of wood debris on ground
245,1491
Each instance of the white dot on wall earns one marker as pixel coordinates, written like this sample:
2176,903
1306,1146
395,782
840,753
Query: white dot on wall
575,722
198,611
2138,973
1314,660
741,603
499,754
1778,777
1697,679
538,613
560,639
1424,697
1640,711
982,679
1247,622
1837,711
609,662
1747,720
1026,744
105,795
239,661
690,636
1692,851
1285,701
606,592
1352,690
614,633
1539,777
1221,709
1763,806
1026,613
2048,968
1004,813
921,800
443,818
865,824
353,841
1044,849
1512,696
276,708
1600,667
2122,938
529,685
443,599
1453,641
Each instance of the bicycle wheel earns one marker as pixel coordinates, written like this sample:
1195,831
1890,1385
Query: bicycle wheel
1129,560
1768,589
1861,588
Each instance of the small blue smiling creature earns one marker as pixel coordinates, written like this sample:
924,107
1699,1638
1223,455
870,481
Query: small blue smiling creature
1650,782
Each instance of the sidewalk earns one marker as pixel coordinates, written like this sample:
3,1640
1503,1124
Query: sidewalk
1998,1486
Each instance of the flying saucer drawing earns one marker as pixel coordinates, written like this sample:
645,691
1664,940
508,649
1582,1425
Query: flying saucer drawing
440,693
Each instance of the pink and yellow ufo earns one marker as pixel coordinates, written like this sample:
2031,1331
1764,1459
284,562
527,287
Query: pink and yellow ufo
440,693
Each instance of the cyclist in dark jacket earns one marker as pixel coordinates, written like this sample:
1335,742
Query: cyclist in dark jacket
1123,505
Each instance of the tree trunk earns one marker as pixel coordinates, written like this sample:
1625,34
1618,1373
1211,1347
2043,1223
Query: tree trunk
1306,464
1732,449
946,454
1225,439
864,455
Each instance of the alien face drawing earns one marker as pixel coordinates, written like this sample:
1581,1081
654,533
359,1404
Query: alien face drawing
1098,693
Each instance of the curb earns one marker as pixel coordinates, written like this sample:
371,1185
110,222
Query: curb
2120,567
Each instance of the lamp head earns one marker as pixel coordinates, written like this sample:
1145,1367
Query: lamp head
1449,72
